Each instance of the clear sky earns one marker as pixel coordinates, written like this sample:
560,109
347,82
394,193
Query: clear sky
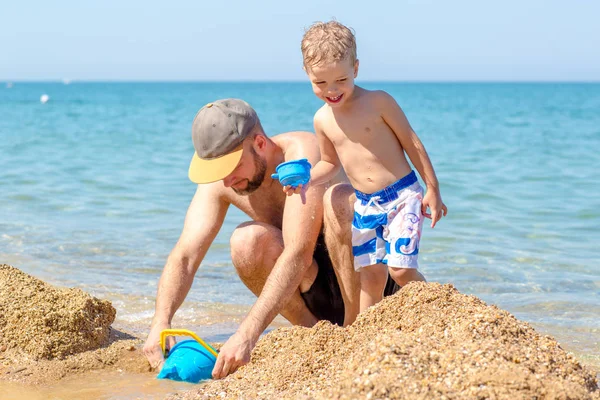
416,40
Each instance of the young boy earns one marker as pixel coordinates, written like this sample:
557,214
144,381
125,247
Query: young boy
367,134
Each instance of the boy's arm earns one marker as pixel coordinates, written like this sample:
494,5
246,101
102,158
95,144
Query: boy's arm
394,117
326,168
329,164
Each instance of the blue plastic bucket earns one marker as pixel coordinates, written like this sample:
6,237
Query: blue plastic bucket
188,361
293,173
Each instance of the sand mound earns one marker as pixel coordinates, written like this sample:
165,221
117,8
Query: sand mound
427,341
47,322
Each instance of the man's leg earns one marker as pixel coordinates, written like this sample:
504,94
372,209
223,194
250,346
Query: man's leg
255,247
338,204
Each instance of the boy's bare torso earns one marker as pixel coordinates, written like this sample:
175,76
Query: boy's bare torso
368,149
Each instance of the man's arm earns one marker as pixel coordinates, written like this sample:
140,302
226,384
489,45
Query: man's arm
394,116
300,228
203,221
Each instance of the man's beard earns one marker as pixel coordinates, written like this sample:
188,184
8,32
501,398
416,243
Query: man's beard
258,178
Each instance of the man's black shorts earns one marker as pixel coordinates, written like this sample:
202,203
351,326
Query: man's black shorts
324,298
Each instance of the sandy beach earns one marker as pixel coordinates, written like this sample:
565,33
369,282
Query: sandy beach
59,343
104,231
427,341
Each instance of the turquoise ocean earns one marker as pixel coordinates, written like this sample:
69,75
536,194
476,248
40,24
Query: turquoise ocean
94,190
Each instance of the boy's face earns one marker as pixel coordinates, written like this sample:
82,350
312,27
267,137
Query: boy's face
333,82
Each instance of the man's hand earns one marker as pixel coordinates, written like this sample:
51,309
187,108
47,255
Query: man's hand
433,200
234,353
152,349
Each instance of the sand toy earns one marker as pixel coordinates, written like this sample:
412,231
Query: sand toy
293,173
189,360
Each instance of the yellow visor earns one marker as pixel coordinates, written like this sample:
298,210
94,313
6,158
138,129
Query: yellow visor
207,171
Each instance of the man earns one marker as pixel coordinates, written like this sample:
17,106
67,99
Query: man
280,255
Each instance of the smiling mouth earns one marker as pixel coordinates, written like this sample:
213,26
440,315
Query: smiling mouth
334,99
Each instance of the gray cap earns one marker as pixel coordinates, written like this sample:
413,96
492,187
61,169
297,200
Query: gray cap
218,131
221,126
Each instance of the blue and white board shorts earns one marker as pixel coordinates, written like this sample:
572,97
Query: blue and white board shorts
387,225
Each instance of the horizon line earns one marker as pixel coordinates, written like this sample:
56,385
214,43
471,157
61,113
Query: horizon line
448,81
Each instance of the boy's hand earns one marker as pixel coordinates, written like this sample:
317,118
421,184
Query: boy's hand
433,201
300,189
290,190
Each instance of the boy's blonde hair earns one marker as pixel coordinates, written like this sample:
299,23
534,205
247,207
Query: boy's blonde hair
326,42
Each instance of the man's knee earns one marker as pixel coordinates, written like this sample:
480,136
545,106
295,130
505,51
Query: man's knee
250,243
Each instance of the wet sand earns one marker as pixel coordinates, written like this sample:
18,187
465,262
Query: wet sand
115,370
49,333
59,343
427,341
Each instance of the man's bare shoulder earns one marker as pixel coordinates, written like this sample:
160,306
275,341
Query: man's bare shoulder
283,140
298,144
